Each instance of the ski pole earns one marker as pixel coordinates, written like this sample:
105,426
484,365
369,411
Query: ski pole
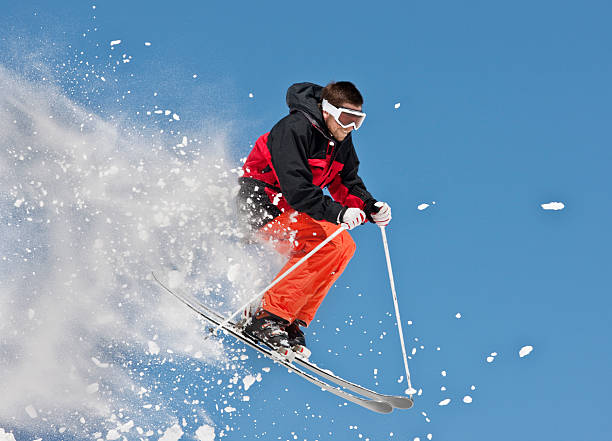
410,390
282,276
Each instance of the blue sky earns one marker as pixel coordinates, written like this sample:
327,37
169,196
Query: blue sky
504,107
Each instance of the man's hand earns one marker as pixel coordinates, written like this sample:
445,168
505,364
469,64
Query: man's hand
383,216
353,217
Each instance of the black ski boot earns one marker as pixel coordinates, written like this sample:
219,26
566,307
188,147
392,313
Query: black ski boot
297,341
269,329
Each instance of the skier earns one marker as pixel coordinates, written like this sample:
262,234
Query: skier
281,199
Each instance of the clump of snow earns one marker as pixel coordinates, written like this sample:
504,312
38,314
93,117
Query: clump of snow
397,105
423,206
99,363
126,427
92,388
147,43
31,411
525,350
251,95
205,433
6,436
115,42
553,206
78,202
233,272
467,399
248,381
173,433
113,434
444,402
491,357
153,348
175,279
458,315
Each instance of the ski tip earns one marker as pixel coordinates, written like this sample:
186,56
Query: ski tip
378,406
400,402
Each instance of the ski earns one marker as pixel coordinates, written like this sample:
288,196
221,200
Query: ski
399,402
206,313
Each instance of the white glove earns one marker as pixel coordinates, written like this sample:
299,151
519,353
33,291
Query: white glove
383,217
353,217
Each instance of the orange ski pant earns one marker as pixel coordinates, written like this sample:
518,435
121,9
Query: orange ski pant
299,295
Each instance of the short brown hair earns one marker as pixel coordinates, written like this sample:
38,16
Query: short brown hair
338,93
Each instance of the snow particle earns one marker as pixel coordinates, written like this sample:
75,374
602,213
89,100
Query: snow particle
397,105
175,278
525,350
113,434
31,411
444,402
467,399
422,207
6,436
205,433
251,95
153,348
173,433
553,206
92,388
248,381
115,42
458,315
147,43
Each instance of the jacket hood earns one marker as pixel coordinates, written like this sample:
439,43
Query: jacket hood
306,97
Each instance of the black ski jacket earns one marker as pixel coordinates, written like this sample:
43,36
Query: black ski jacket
289,167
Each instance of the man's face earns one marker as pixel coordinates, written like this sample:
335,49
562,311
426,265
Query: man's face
337,131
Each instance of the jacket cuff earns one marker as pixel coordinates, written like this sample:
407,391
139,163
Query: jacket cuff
369,208
341,215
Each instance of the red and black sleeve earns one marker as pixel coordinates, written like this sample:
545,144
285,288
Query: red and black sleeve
287,143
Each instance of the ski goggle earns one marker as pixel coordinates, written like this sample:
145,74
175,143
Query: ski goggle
343,116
